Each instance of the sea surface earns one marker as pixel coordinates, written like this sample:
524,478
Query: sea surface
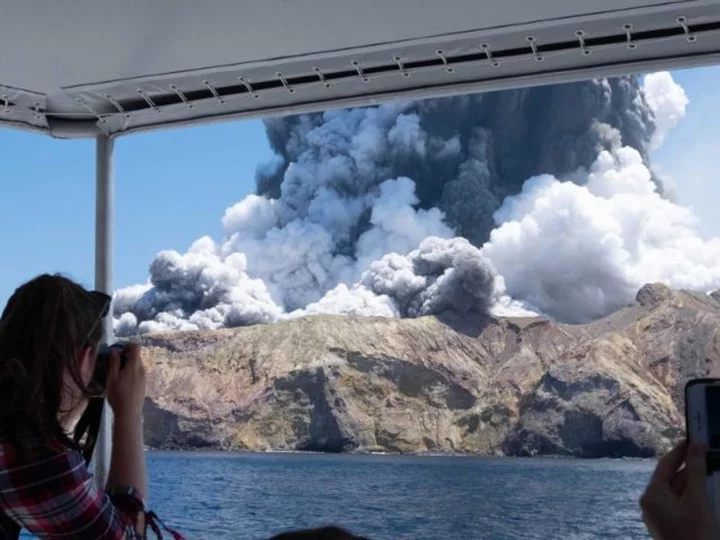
252,496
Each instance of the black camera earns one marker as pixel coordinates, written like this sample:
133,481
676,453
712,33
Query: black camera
102,364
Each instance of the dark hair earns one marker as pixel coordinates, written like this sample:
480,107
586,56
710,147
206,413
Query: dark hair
46,323
324,533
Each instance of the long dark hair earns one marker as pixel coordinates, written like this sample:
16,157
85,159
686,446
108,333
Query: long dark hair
46,324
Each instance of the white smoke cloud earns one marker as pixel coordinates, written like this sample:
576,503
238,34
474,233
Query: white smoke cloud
254,215
165,322
125,325
355,300
397,227
667,100
581,252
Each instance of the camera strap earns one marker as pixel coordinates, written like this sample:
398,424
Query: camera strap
89,427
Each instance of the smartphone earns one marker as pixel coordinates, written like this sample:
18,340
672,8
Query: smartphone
702,417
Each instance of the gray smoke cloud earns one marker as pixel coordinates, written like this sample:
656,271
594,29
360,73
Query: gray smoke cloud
383,210
195,291
465,153
440,275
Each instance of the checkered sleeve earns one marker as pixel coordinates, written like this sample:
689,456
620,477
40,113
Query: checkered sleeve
55,497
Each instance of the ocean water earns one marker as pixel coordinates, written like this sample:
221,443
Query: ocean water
252,496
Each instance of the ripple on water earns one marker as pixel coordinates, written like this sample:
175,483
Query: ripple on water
253,496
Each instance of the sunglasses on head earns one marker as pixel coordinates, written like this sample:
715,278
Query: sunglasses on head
101,303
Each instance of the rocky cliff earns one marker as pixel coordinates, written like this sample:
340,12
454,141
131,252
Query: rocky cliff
438,384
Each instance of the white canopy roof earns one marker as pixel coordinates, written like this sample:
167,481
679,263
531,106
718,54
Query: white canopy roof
86,66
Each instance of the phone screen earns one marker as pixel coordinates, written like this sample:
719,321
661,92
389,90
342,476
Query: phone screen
702,401
712,414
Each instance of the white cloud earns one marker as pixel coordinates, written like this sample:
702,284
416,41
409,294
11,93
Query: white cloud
580,252
668,100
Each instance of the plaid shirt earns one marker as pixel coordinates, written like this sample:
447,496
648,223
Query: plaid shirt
55,497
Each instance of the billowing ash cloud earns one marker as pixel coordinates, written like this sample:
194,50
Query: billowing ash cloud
195,291
301,255
441,275
464,153
385,211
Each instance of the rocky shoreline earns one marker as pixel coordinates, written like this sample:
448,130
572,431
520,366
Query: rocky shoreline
211,450
437,385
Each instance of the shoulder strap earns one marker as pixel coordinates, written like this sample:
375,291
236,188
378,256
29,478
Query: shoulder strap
89,424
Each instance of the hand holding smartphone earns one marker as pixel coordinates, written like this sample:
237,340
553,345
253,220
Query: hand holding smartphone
702,417
682,501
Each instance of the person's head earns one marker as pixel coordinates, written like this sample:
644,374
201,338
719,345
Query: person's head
50,331
324,533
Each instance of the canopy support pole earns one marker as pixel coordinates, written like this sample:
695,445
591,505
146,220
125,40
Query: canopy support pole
104,221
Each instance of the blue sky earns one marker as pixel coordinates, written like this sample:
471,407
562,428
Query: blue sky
171,188
174,186
689,154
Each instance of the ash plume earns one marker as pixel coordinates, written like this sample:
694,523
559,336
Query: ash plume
414,208
465,153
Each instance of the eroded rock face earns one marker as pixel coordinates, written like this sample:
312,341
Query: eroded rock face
653,294
485,386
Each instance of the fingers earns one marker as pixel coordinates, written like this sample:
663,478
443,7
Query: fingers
132,352
127,383
678,482
114,367
696,465
669,465
125,363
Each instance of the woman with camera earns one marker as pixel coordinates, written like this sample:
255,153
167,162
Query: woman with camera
50,332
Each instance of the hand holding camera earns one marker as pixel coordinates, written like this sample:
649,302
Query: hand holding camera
121,372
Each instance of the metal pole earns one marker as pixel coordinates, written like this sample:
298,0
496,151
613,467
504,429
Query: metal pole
104,221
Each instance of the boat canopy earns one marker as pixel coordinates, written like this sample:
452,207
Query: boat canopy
88,67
